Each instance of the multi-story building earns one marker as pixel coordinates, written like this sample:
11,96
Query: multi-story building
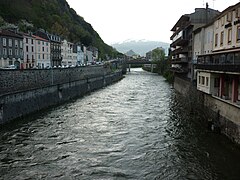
55,47
69,57
29,43
78,52
11,49
94,51
42,50
182,40
219,63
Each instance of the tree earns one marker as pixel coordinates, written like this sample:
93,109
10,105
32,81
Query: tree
158,57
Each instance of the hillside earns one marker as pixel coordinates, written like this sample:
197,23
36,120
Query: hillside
55,16
140,47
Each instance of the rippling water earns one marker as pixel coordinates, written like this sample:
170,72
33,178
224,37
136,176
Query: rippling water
134,129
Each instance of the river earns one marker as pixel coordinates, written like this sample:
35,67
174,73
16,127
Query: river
133,129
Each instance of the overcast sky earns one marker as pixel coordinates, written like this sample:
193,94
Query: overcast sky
120,20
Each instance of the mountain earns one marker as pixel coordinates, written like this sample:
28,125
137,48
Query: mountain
131,53
56,17
140,46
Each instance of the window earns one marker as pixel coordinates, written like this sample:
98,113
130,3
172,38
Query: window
27,40
4,51
229,35
27,57
43,43
237,13
32,49
10,52
32,57
4,42
203,80
43,49
221,38
26,48
16,52
207,79
39,42
216,82
222,21
10,42
229,16
21,52
39,56
238,33
38,48
32,41
16,43
21,44
43,56
217,23
216,40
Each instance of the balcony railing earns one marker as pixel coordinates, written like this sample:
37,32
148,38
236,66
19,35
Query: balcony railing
179,70
219,67
180,42
179,60
181,50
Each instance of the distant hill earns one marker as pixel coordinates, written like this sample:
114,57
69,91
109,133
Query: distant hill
55,16
140,47
131,53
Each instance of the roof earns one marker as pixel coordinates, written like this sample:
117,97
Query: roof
10,34
228,9
183,18
40,38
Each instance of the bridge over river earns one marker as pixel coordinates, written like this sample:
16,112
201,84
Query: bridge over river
139,61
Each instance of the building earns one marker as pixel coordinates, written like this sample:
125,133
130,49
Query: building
29,49
67,53
78,50
42,49
218,65
182,40
11,49
55,46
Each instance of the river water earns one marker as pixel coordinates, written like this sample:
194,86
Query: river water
133,129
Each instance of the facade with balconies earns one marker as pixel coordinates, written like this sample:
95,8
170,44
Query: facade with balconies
218,69
219,66
182,40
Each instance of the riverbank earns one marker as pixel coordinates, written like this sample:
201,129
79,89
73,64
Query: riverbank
220,115
52,87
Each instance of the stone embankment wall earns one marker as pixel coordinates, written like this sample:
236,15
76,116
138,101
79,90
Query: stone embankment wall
223,115
34,91
181,85
17,80
226,117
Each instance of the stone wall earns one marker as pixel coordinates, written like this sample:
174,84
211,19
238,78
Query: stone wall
16,80
19,104
181,85
226,115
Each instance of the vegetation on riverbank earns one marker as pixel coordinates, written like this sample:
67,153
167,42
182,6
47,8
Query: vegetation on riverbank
163,64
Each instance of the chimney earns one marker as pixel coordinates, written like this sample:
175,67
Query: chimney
207,5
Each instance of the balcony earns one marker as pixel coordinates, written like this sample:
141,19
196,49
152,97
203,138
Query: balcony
181,50
182,41
182,60
220,67
179,70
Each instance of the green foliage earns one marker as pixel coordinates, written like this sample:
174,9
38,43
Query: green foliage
158,54
55,16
